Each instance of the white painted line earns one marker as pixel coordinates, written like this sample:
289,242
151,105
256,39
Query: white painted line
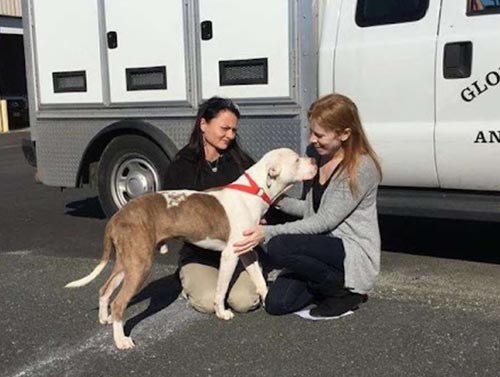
19,252
10,146
148,332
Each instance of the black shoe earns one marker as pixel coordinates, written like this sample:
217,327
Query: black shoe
338,306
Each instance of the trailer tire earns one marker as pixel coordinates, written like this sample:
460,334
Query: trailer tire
130,166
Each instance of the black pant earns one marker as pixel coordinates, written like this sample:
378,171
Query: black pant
313,268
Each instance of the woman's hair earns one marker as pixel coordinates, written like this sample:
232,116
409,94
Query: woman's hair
335,112
208,110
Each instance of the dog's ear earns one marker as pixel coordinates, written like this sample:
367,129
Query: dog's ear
272,172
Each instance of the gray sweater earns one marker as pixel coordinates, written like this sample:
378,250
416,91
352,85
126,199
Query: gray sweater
350,218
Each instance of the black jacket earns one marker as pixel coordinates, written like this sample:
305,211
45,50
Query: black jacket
187,172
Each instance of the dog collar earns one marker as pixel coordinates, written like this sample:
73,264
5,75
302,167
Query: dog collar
253,189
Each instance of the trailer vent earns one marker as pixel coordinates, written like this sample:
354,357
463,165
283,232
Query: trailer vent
243,72
67,82
148,78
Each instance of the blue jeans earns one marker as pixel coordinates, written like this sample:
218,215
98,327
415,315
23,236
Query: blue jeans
313,268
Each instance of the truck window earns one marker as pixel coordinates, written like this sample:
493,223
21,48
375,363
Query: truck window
376,12
481,7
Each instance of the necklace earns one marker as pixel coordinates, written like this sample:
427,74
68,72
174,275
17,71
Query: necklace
213,165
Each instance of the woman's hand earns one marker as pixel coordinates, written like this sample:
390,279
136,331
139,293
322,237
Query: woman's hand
253,237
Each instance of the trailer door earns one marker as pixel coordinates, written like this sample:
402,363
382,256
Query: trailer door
385,61
468,92
67,52
245,48
146,50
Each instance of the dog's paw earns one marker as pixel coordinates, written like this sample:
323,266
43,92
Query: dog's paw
105,320
124,343
225,314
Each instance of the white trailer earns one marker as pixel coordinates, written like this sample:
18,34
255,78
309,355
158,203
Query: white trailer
114,86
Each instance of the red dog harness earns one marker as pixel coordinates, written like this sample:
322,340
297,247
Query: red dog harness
251,189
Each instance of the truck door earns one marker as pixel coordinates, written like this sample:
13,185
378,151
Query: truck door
67,52
146,50
385,61
245,48
468,92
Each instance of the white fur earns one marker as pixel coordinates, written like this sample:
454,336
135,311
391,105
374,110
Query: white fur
87,279
122,342
211,244
176,197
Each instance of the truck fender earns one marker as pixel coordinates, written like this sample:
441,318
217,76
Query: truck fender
96,145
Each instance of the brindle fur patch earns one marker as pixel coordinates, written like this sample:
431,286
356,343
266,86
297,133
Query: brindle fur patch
197,217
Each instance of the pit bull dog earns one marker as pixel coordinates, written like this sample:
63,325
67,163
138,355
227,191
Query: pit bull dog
213,219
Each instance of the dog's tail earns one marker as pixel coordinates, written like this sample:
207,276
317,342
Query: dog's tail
107,248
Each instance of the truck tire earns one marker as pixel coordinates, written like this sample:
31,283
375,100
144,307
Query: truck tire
130,166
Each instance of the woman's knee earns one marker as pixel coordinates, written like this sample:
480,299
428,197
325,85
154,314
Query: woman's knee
243,303
198,285
287,294
202,303
276,305
281,298
243,296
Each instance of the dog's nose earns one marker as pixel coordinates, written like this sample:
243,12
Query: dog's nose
312,161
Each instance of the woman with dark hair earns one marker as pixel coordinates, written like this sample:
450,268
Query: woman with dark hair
212,158
331,256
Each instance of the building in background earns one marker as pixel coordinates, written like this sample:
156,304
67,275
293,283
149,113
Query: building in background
12,71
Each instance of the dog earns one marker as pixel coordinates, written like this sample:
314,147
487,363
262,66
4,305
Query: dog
213,219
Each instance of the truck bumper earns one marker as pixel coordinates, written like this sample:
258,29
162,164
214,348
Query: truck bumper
29,151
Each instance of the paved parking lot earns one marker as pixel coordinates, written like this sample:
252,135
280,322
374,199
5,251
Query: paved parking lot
435,311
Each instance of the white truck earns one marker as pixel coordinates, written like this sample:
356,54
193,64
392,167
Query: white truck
114,86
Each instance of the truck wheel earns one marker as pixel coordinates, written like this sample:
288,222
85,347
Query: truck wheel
130,166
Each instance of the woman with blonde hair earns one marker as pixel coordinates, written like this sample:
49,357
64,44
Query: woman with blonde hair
331,256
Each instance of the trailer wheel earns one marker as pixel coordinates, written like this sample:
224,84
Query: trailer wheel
130,166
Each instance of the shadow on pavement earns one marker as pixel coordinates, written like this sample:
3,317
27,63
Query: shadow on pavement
457,239
89,207
161,292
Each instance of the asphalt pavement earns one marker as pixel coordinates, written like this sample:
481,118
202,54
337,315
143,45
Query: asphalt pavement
435,310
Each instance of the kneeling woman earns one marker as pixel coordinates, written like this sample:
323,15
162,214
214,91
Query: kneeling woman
331,256
212,158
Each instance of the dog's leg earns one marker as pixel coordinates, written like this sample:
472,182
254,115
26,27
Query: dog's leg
251,263
228,263
114,280
105,293
136,271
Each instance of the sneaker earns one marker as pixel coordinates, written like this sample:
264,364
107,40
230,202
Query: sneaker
336,307
306,314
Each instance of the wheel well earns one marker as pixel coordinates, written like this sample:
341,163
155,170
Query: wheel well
87,172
